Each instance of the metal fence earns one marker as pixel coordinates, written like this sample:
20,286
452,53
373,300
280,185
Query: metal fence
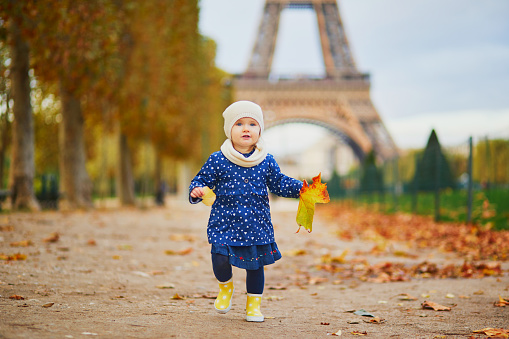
468,182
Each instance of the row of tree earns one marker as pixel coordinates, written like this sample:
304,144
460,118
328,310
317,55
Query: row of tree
430,169
137,69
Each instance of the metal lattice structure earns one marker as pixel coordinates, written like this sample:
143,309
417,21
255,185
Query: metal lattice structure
339,102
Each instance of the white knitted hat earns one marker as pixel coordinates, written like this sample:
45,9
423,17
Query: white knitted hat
241,109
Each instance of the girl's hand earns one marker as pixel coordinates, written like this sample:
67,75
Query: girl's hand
197,192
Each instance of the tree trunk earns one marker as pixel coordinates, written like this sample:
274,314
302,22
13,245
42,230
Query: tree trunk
125,178
160,185
75,183
5,133
22,168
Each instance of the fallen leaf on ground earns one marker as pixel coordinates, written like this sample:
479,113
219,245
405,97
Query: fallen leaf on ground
53,237
48,305
295,252
494,332
502,302
22,243
181,252
165,286
209,197
328,259
375,320
359,333
309,196
273,297
6,228
13,257
364,313
475,242
278,287
434,306
316,280
337,334
178,297
406,296
16,297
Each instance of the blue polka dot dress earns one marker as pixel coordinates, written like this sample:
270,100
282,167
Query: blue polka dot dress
240,224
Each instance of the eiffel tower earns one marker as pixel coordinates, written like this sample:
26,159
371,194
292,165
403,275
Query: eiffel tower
339,102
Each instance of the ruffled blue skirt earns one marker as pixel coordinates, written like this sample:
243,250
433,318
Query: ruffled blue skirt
249,257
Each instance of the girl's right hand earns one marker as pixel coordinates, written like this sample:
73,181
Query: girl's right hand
197,192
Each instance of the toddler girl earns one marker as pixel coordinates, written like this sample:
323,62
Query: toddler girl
240,228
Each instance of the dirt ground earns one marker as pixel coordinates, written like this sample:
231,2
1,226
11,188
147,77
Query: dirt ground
146,273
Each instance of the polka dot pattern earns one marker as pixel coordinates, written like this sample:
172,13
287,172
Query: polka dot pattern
240,216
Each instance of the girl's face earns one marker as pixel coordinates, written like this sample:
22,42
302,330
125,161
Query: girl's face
245,134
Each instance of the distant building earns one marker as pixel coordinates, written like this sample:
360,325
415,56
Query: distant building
327,154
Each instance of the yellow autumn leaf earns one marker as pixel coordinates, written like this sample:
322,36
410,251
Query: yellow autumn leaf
209,197
309,196
178,297
502,302
494,332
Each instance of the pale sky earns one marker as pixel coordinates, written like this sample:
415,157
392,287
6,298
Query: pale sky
440,64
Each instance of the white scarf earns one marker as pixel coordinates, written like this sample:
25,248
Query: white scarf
239,159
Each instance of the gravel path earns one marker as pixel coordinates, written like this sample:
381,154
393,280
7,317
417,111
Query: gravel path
146,273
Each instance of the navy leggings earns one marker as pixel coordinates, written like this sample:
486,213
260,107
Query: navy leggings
255,279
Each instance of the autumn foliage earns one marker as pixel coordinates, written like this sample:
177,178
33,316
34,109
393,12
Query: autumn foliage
139,70
309,196
482,250
418,232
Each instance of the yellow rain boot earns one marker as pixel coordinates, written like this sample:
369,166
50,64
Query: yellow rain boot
253,307
223,301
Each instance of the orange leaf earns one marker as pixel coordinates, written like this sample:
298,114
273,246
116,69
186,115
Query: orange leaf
23,243
309,196
16,297
502,302
185,251
178,297
17,256
376,320
52,238
494,332
435,306
181,252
